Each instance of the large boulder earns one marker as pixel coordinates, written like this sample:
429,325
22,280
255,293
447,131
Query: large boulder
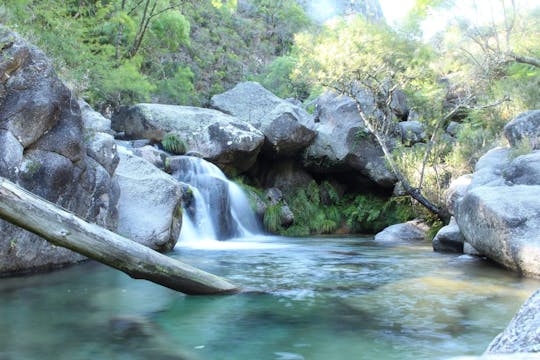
222,139
343,142
524,126
503,223
43,149
522,335
286,127
499,214
150,206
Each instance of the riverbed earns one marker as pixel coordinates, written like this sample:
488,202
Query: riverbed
309,298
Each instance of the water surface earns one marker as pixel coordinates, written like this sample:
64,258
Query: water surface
323,298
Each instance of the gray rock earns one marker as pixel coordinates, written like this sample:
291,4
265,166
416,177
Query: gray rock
102,148
42,148
522,335
284,174
469,249
154,156
286,216
412,132
399,105
273,196
456,190
343,143
150,203
286,126
410,231
92,120
523,170
526,126
449,239
222,139
12,155
503,223
489,168
453,128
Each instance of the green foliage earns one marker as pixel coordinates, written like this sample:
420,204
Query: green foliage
178,88
103,48
361,213
174,144
272,218
277,78
524,147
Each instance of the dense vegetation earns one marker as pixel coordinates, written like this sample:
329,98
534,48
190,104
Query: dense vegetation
476,75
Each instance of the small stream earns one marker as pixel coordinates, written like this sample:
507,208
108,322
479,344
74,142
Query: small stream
310,298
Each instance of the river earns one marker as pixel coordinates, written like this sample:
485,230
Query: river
309,298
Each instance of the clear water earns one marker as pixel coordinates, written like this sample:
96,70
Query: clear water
330,298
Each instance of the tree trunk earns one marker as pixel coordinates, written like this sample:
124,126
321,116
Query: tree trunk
62,228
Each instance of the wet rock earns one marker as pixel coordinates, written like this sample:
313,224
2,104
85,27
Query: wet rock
286,126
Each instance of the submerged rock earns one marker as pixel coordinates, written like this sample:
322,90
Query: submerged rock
44,148
286,126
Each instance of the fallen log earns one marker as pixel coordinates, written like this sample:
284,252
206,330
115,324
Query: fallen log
62,228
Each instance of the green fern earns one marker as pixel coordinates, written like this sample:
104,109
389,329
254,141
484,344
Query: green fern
174,144
272,218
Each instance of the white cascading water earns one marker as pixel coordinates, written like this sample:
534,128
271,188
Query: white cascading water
218,208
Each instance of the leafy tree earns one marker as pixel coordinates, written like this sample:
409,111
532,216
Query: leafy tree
361,59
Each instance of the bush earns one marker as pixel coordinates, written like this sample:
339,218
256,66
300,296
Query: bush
174,144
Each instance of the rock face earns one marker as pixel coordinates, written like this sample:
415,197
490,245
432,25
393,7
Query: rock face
410,231
222,139
286,127
412,132
343,143
43,148
523,333
499,214
285,174
150,209
524,126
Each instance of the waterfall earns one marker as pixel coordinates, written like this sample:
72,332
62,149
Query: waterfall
215,208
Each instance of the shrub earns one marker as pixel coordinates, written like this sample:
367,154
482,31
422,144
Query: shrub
174,144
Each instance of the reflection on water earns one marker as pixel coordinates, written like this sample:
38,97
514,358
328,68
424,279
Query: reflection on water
330,298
